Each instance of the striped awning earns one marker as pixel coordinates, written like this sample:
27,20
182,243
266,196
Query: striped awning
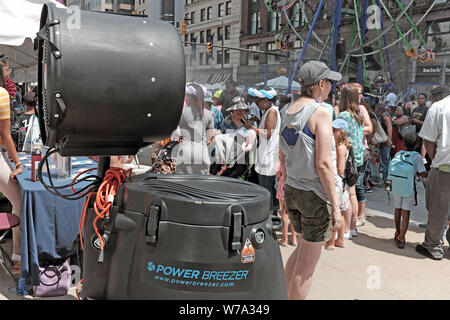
210,76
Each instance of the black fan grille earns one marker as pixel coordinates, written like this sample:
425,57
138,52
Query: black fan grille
45,78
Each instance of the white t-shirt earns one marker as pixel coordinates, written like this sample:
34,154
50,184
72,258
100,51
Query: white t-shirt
267,152
391,98
436,128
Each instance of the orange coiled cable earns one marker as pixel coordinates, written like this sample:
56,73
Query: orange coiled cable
105,194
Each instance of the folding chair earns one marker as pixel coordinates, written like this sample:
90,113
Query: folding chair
7,222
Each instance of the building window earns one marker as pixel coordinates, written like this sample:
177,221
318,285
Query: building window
202,36
209,13
219,56
202,14
275,20
255,22
209,36
221,10
201,55
219,33
297,13
439,33
226,53
192,17
228,8
254,17
253,58
186,39
271,59
227,32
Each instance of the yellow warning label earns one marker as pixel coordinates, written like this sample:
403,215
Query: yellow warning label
248,253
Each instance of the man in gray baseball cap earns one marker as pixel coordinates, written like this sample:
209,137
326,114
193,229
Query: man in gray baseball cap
313,71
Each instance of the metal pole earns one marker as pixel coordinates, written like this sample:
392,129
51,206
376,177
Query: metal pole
337,23
305,45
395,25
414,70
379,45
239,49
388,56
266,73
361,75
412,23
444,69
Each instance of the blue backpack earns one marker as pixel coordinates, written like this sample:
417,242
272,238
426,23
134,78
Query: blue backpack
402,173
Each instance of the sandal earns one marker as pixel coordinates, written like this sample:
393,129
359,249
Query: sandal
400,243
360,222
396,234
16,269
282,244
338,244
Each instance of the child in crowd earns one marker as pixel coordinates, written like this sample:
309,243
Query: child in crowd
403,205
343,145
284,214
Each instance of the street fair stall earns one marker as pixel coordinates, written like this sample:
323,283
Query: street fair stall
49,222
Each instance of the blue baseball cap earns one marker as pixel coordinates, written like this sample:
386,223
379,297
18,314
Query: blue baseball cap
340,124
255,93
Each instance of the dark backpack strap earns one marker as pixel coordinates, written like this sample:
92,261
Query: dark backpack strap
415,192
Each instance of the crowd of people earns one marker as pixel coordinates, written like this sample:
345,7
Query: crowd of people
319,154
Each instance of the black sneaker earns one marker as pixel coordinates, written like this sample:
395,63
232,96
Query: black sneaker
423,251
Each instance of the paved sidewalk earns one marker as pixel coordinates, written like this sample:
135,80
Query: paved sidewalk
350,273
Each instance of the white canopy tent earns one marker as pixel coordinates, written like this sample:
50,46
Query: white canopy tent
19,23
281,83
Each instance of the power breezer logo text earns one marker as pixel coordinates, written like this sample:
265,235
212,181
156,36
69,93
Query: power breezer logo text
197,277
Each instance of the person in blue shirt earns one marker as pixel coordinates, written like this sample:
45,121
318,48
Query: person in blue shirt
218,117
391,98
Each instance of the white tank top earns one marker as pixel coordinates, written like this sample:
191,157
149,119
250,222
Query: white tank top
267,153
